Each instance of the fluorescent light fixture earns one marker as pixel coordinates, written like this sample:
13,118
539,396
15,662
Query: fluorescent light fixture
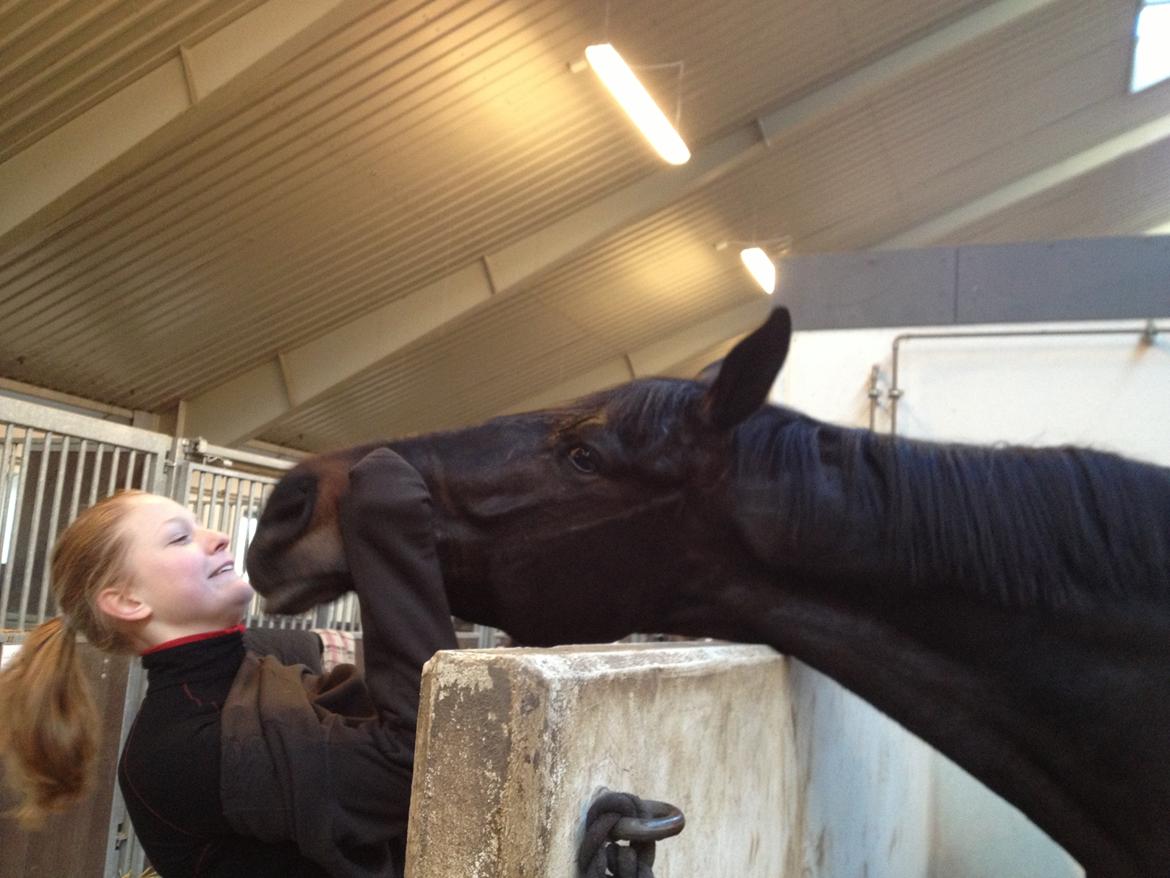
616,75
761,267
1151,45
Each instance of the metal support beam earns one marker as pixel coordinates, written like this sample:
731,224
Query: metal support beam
655,359
61,169
886,70
234,412
1033,184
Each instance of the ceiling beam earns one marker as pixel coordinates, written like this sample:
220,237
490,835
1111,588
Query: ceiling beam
655,359
63,168
242,407
1033,184
891,67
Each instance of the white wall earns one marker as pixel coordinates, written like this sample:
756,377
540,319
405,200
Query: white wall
1110,392
867,802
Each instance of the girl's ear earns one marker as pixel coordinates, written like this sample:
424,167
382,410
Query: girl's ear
118,603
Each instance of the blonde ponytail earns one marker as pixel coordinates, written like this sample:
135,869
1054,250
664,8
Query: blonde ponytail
48,736
48,721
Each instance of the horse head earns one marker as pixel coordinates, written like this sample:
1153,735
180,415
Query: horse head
568,524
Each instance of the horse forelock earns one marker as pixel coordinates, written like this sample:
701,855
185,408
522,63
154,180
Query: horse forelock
1053,527
642,413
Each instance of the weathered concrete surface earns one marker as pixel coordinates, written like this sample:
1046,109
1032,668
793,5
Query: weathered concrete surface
513,744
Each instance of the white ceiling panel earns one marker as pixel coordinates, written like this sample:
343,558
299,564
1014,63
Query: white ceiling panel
404,143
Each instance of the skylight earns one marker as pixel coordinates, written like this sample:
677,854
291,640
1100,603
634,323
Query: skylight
1151,45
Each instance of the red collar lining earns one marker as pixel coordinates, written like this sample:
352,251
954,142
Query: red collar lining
193,638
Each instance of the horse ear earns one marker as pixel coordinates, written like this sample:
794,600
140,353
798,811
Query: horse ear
748,372
707,375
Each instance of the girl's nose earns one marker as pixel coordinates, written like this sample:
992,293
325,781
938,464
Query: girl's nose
215,541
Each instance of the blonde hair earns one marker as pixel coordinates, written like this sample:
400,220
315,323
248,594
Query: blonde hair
49,733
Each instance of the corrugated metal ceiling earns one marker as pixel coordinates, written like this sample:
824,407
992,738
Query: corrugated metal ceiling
414,138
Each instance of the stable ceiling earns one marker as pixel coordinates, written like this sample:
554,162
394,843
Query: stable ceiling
319,223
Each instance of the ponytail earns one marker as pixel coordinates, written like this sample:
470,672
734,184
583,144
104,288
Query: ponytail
48,720
48,724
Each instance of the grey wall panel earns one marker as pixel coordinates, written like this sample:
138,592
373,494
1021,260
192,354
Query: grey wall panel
856,290
1097,279
1091,279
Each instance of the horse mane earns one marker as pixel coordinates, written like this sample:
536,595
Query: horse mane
1056,527
643,413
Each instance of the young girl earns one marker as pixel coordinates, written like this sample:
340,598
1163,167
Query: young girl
235,764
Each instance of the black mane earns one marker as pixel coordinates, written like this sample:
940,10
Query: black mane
1059,527
643,413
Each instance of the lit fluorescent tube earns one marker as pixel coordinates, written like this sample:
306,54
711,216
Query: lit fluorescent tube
761,267
616,75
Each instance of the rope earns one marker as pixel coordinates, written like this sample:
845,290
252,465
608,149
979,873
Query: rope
621,817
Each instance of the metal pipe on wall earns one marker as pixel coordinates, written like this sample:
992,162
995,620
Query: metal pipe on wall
1146,335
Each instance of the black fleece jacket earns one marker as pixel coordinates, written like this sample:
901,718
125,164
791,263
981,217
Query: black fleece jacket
238,765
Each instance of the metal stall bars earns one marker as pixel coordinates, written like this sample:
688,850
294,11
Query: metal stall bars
53,464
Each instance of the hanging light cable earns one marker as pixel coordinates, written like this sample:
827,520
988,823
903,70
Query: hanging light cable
617,76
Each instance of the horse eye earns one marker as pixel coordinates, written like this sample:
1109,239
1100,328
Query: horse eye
583,458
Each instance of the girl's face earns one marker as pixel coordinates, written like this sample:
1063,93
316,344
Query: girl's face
184,572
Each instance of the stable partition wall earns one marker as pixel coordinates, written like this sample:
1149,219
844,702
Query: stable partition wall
772,775
87,840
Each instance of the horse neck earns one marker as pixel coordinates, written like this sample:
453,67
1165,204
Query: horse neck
1063,717
1008,606
1058,526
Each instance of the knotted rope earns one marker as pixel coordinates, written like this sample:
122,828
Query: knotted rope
617,817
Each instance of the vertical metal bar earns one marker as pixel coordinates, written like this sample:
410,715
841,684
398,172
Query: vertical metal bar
54,518
209,482
249,507
5,458
213,506
128,482
221,508
34,531
198,474
146,481
179,479
78,473
112,483
14,528
355,615
129,861
239,539
6,462
97,472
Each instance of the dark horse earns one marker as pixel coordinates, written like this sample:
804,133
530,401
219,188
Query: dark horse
1010,606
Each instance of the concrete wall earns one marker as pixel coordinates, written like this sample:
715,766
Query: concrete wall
1104,391
775,775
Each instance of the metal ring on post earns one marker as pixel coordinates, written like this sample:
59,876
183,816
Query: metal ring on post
664,821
